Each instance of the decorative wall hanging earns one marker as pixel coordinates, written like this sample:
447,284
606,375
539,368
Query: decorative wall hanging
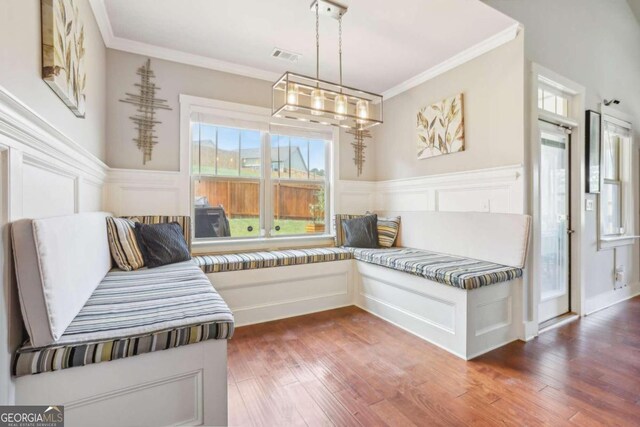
593,151
63,53
441,128
359,146
147,104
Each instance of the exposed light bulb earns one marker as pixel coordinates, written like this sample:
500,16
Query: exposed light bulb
362,109
340,106
292,96
317,102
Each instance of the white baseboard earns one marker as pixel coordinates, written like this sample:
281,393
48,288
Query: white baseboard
607,299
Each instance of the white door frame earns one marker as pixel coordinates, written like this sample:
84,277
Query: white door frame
575,120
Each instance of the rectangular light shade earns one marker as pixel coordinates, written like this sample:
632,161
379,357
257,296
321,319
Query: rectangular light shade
307,99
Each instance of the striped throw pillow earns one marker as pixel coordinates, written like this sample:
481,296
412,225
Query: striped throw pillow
123,244
388,231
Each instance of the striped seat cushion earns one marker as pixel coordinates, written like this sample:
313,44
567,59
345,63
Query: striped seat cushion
463,273
135,312
266,259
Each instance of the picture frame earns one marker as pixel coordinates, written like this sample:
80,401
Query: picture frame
593,136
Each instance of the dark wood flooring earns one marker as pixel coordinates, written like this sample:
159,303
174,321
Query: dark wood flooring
346,367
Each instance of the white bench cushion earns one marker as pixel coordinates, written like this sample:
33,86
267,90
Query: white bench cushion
59,263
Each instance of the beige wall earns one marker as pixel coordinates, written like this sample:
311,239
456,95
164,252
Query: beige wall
595,43
493,88
20,72
175,79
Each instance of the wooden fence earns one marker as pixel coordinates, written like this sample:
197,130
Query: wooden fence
242,199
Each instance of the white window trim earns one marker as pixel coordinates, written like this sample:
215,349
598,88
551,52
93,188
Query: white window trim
229,113
627,200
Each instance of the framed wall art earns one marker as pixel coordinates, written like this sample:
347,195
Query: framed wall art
593,134
63,53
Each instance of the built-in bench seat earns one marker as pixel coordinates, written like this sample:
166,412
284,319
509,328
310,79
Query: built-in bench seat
79,312
132,313
267,259
460,272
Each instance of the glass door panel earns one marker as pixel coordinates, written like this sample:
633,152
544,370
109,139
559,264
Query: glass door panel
554,223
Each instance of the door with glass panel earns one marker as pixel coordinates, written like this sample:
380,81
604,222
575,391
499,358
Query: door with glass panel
555,226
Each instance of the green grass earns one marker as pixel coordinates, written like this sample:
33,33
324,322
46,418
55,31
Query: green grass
287,226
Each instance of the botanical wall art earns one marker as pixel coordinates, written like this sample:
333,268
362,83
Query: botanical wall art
441,128
63,53
147,104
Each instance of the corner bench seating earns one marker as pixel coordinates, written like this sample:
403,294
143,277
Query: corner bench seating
479,256
78,311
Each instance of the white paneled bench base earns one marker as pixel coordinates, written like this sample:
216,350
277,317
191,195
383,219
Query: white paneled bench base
466,323
261,295
181,386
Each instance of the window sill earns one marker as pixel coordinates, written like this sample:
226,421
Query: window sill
260,244
614,242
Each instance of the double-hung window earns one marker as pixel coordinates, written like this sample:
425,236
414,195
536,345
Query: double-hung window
256,180
616,198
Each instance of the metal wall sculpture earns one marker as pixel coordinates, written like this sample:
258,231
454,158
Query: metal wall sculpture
147,104
359,146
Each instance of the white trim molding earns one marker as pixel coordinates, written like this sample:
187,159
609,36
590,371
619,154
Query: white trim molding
146,49
119,43
466,55
23,125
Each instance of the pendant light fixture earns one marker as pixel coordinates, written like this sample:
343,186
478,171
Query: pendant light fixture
304,98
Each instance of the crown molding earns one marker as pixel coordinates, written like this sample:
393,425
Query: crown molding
473,52
118,43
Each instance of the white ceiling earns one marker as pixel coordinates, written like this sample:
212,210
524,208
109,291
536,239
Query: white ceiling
388,46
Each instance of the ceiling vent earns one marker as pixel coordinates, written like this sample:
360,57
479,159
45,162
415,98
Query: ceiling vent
285,55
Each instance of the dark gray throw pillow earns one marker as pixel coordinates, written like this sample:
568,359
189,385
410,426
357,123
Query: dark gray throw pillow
161,244
361,232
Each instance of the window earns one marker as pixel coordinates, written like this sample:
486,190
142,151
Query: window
248,182
298,185
553,100
616,220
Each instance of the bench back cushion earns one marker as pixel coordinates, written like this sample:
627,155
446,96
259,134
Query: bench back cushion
499,238
59,263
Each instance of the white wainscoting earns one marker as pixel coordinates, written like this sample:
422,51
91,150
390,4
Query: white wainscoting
42,173
496,190
141,192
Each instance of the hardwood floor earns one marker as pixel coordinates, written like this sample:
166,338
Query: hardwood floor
346,367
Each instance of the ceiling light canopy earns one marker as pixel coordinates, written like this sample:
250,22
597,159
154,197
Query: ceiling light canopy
310,99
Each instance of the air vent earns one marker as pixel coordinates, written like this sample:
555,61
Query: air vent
285,55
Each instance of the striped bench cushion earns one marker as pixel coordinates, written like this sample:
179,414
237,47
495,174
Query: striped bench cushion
463,273
135,312
266,259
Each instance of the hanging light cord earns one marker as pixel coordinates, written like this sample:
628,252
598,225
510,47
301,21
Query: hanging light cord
317,40
340,47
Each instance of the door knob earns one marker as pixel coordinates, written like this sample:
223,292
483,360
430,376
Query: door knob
571,231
